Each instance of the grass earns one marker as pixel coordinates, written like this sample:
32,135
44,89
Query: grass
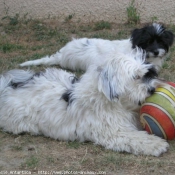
31,162
74,145
8,47
69,17
132,14
27,40
102,25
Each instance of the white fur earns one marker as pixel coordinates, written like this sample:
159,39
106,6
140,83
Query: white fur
81,53
158,27
102,108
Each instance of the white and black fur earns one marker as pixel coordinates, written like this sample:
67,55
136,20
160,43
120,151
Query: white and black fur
100,106
154,39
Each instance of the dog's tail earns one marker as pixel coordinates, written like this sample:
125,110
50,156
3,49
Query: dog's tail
13,77
47,60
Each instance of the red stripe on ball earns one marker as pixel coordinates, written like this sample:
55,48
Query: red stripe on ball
171,83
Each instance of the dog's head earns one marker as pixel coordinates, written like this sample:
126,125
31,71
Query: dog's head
128,77
154,39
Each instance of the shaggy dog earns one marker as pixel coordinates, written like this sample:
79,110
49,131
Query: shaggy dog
154,39
99,107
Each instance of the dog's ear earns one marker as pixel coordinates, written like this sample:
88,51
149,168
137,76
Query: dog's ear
168,37
136,36
108,83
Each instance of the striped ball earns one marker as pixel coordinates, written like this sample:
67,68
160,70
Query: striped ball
157,114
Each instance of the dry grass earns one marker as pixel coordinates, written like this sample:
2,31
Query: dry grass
25,40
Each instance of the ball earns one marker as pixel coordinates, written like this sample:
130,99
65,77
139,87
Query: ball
157,114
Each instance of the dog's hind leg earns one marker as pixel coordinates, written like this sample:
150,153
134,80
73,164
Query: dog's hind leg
47,60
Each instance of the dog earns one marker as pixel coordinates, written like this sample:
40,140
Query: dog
101,106
154,39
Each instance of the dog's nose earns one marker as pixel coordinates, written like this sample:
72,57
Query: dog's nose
156,52
151,90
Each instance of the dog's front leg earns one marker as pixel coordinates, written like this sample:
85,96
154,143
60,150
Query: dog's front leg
136,142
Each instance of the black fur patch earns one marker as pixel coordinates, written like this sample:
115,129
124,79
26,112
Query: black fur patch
16,85
67,96
151,74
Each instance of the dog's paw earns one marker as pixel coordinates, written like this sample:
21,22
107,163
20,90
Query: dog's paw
160,148
142,143
153,145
